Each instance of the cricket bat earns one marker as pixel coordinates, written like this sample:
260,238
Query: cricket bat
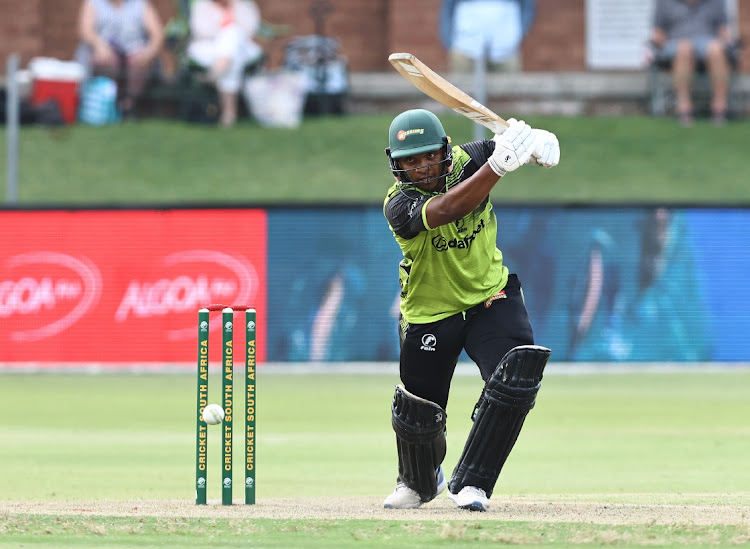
442,91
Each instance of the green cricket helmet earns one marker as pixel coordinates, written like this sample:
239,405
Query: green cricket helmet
416,132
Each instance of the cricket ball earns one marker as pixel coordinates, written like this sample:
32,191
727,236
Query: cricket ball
213,414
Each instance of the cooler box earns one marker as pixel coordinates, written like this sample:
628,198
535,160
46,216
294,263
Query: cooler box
58,80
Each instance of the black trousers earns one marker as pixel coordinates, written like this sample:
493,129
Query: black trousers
429,352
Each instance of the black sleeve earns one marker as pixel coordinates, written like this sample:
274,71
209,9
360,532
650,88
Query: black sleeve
404,213
479,151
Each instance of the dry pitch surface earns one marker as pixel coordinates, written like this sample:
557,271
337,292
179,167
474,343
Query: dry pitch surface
713,509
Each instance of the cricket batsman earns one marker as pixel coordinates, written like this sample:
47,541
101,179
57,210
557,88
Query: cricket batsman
456,294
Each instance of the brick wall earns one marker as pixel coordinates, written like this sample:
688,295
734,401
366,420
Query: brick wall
556,39
20,28
368,29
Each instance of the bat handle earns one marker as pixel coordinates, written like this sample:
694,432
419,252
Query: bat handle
497,127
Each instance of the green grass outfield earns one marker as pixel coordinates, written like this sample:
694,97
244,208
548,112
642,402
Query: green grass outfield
668,451
616,159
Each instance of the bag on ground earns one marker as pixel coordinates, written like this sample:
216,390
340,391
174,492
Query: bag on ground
98,102
276,99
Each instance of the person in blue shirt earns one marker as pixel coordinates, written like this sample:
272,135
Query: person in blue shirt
497,26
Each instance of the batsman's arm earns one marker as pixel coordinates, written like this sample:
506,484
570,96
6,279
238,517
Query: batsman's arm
461,199
513,148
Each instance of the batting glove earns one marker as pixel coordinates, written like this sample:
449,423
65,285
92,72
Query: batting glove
547,150
513,147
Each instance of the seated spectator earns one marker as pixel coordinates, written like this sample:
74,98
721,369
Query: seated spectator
222,34
120,39
470,29
688,32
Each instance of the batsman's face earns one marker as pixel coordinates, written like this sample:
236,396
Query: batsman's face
425,169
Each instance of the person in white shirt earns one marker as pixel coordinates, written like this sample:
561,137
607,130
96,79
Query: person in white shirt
222,34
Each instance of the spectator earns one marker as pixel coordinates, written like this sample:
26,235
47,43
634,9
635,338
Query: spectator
687,32
469,26
120,39
222,34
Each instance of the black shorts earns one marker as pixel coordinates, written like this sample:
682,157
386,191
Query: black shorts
429,352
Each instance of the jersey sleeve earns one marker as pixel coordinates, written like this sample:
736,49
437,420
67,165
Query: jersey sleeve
404,212
479,151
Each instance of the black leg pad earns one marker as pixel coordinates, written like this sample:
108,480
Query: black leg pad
420,438
507,397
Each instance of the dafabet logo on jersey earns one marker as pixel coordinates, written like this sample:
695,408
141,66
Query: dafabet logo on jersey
442,244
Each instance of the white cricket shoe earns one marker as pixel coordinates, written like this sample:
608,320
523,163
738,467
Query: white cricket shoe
471,498
404,497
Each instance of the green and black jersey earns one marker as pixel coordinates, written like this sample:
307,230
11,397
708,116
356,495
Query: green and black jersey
446,269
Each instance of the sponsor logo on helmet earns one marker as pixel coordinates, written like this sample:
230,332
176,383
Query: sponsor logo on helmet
402,134
498,295
442,244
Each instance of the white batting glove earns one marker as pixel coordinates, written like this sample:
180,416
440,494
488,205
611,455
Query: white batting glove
513,147
547,150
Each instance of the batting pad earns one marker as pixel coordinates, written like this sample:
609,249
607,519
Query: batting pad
507,397
420,438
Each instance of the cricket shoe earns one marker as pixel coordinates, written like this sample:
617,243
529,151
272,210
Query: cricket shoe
471,498
404,497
